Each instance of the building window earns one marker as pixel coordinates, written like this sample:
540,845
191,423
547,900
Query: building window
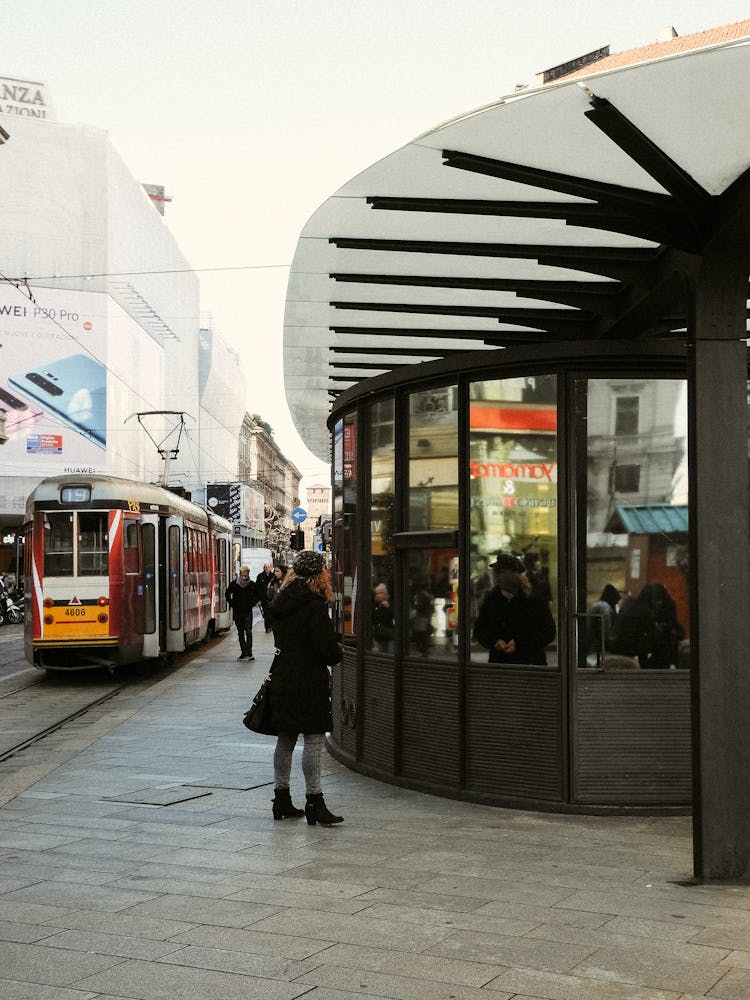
627,478
626,416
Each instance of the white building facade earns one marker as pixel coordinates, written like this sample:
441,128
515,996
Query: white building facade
100,323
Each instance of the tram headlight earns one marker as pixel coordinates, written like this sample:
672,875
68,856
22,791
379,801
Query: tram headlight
48,602
103,602
48,619
102,617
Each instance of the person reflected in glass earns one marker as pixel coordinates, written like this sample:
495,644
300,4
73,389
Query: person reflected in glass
512,624
646,628
420,616
383,628
602,619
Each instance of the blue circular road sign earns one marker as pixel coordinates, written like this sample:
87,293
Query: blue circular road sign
299,514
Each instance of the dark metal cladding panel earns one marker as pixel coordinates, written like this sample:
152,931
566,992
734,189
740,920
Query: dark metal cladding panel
632,739
337,681
429,724
378,721
347,707
514,733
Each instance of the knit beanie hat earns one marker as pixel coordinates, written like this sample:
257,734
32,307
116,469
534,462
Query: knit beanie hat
308,563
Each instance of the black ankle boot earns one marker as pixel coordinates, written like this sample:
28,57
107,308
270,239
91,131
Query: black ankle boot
316,811
282,805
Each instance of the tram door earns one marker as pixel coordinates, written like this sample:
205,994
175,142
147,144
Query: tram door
152,616
174,585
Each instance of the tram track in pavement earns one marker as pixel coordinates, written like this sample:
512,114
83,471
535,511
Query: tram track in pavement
7,752
60,698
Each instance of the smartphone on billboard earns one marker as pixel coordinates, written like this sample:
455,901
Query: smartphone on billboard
73,389
17,411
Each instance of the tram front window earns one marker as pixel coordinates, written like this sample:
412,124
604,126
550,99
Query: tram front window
93,544
58,544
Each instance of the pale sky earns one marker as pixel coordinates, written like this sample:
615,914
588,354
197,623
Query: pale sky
252,112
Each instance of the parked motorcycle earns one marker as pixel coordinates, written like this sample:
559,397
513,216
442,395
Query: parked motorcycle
11,606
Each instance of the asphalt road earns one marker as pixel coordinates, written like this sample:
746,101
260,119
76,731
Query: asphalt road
13,666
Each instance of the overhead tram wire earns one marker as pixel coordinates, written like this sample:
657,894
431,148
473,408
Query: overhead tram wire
127,274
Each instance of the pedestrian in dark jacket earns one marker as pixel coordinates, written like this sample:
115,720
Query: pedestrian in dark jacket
262,581
514,625
306,644
242,596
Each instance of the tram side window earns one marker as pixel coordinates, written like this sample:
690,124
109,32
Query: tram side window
130,547
93,544
58,544
175,577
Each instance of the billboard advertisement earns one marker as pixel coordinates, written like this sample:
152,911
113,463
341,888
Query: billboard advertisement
68,365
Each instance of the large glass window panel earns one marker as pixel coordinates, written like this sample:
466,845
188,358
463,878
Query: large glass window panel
58,544
431,577
345,502
433,459
93,543
381,627
633,604
513,509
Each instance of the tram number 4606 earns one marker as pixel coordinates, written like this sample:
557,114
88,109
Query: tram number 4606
75,612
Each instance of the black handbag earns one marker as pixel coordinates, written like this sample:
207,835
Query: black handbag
258,716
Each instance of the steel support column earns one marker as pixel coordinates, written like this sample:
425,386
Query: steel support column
720,551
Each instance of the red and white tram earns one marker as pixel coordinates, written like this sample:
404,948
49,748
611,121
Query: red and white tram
119,571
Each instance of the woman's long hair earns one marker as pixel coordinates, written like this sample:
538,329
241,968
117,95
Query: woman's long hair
319,584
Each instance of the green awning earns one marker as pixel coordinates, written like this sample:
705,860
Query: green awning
650,519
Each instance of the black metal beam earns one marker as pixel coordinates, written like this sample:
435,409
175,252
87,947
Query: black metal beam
626,198
628,264
504,314
429,351
395,331
522,285
596,296
694,200
661,227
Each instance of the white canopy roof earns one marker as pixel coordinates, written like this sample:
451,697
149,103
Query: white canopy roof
561,213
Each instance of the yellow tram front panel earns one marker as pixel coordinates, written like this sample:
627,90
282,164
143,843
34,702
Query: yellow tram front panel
76,611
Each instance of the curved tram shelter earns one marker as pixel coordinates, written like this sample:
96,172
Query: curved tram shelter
531,326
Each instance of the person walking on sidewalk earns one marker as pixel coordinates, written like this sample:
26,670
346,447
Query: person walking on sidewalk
306,645
242,596
262,582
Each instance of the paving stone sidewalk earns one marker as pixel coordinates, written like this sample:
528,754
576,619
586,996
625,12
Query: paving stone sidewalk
146,865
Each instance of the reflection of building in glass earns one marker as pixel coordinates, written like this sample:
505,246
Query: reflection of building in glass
433,468
635,443
636,528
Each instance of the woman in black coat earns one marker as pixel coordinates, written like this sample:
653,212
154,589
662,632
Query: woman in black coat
306,644
514,625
